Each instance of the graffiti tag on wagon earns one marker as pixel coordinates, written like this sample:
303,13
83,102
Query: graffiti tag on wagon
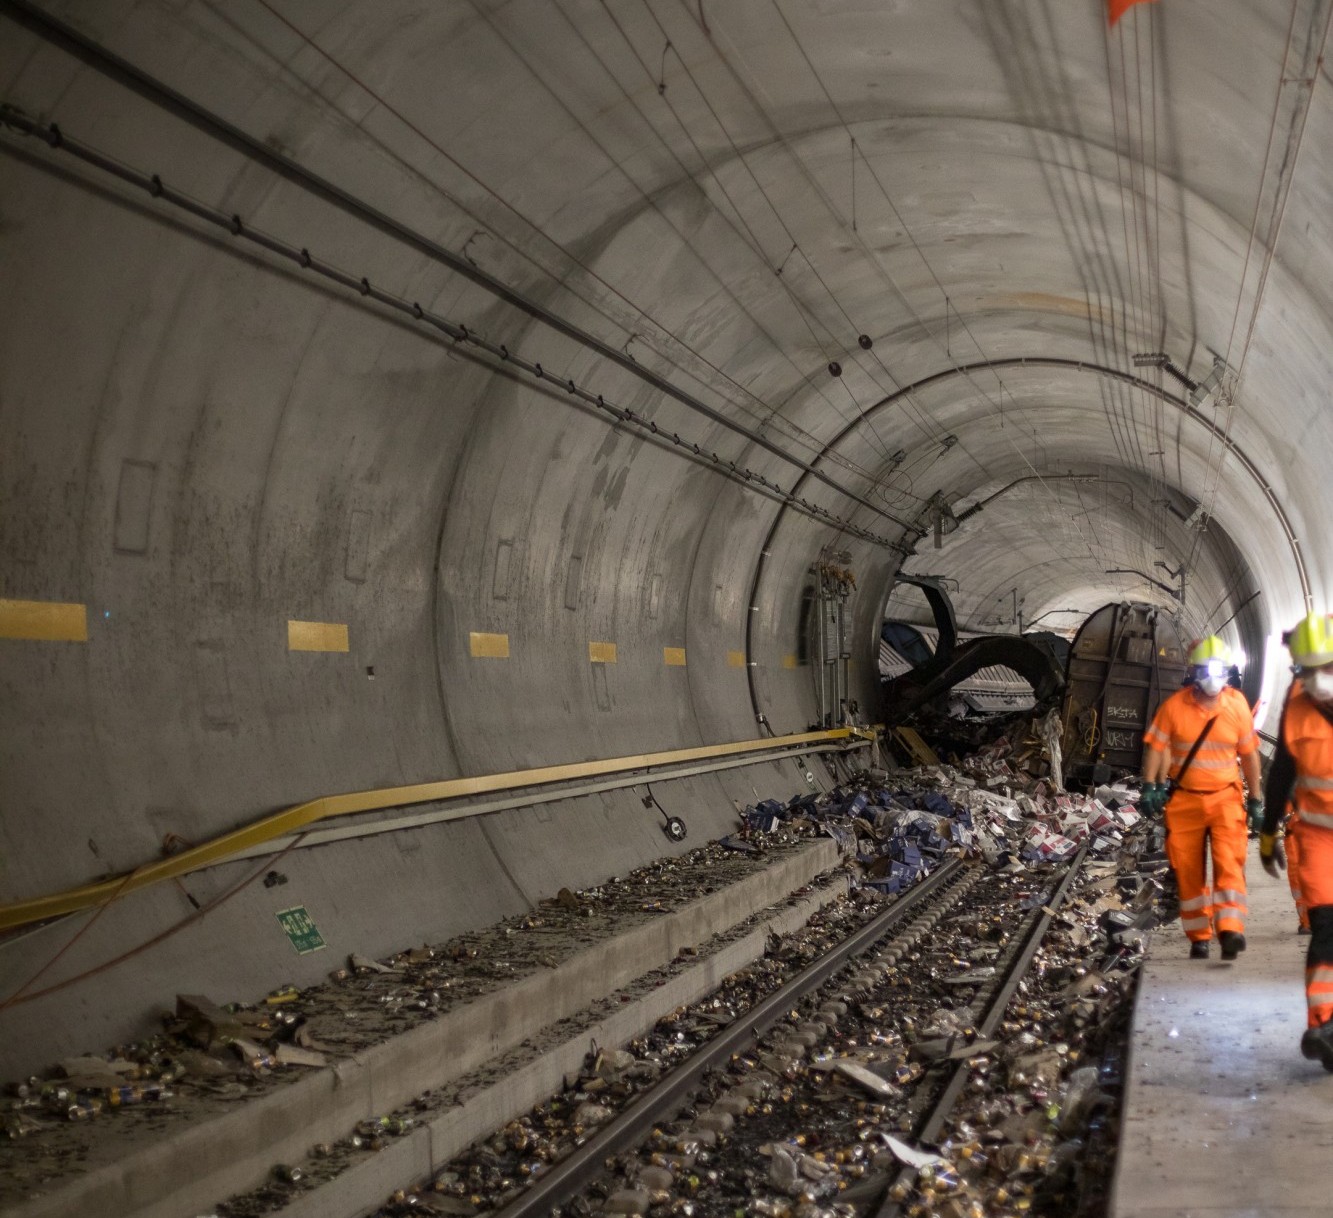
1123,713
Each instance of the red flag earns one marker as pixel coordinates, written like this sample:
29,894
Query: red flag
1118,8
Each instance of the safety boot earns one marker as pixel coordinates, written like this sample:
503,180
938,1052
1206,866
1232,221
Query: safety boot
1199,949
1317,1043
1233,943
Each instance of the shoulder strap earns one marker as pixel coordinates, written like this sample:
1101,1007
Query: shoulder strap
1194,749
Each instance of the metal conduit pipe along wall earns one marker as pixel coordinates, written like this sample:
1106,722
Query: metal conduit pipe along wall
275,528
274,834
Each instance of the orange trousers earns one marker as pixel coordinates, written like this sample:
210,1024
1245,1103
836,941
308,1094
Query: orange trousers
1293,846
1315,848
1200,826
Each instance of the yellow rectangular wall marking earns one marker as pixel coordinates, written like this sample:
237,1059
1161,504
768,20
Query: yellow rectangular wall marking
788,661
736,659
673,657
489,646
602,653
50,621
316,636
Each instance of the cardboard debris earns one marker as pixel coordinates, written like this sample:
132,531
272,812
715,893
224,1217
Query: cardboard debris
909,1155
206,1023
867,1078
363,964
307,1040
97,1067
294,1055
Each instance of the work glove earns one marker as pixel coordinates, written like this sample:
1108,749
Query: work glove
1254,813
1152,800
1272,855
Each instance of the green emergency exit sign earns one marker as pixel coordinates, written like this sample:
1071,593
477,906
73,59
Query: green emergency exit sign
301,930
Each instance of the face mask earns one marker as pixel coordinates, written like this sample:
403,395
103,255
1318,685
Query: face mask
1319,685
1212,686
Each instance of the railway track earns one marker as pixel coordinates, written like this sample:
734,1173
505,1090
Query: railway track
805,1103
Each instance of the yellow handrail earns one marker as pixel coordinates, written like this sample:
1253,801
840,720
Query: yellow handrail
20,913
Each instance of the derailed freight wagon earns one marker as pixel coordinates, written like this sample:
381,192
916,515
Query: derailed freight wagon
1124,661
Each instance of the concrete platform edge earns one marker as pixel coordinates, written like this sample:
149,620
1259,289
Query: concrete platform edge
365,1187
186,1174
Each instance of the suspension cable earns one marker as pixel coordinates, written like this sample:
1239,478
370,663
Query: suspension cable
459,333
125,73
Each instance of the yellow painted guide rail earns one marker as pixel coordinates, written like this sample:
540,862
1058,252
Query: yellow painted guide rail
327,807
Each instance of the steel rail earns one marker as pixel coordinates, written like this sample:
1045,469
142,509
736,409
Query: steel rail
288,820
933,1121
565,1178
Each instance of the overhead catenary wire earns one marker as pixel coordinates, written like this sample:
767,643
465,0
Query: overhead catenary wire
913,409
769,414
925,328
1027,48
661,90
417,130
1149,241
828,345
128,74
1143,278
458,333
794,247
1286,170
1025,43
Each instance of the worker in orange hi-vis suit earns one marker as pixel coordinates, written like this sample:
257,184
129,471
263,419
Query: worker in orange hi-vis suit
1196,738
1302,773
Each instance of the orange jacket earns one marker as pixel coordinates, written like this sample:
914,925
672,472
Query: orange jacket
1180,721
1308,736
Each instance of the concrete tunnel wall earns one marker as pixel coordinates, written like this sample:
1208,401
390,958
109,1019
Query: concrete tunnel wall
205,445
203,442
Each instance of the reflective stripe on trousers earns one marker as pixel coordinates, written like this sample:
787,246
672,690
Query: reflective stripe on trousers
1196,914
1319,993
1204,829
1229,909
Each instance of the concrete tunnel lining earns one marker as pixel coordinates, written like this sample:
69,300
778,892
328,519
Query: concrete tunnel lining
272,432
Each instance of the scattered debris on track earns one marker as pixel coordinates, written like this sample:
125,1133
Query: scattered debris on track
834,1120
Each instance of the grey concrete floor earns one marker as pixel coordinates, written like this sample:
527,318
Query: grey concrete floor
1223,1115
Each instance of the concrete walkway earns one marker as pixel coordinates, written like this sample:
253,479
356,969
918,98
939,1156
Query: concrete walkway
1224,1118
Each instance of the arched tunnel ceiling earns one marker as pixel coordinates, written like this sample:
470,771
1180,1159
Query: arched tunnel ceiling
736,195
295,376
